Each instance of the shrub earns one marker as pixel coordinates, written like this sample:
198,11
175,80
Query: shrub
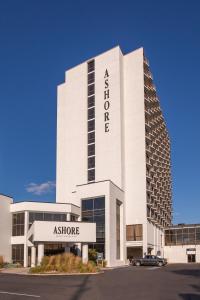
92,254
1,262
66,262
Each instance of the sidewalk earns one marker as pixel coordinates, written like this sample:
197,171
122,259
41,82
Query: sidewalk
20,271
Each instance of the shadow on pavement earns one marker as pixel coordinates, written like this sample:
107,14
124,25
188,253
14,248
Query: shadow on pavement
81,289
188,272
190,296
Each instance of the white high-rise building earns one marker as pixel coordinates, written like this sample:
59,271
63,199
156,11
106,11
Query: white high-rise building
113,153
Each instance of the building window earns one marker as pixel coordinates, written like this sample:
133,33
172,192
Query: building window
18,224
43,216
91,65
91,149
91,137
91,112
118,244
91,120
134,232
182,236
73,218
93,210
91,162
18,254
91,175
91,78
91,89
91,125
91,101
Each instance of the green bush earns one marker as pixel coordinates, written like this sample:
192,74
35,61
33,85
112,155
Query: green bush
64,263
92,255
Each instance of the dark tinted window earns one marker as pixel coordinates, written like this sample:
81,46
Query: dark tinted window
91,89
91,78
91,149
18,224
91,113
91,125
90,66
99,203
91,101
91,162
87,204
91,137
91,175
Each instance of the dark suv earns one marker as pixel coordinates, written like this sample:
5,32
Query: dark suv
149,260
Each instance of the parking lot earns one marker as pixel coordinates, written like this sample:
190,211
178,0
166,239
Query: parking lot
146,283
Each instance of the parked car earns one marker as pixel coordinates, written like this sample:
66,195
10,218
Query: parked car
149,260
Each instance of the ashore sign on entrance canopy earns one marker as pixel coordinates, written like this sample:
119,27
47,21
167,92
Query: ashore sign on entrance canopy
63,232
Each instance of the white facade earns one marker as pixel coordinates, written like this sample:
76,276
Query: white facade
5,227
179,254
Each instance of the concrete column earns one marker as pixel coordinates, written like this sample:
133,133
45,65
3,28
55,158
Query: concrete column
25,244
85,253
67,249
40,253
68,217
78,245
33,256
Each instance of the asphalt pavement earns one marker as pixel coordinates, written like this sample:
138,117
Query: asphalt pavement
172,282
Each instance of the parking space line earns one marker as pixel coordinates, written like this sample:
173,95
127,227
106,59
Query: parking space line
154,268
17,294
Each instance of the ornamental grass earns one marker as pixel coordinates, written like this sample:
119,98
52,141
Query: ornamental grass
1,262
64,263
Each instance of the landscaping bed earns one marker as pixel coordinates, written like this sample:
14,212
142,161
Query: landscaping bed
64,263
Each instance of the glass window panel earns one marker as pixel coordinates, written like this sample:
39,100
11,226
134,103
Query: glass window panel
173,239
91,162
99,203
198,229
99,219
91,175
179,239
48,217
185,238
191,238
91,101
179,231
91,137
91,89
91,77
39,217
91,113
87,204
91,65
191,230
91,125
91,149
63,218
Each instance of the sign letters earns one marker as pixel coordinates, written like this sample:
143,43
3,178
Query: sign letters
106,101
66,230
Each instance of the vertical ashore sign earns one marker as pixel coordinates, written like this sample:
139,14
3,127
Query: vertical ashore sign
106,102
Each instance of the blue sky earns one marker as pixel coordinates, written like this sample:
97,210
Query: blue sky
39,40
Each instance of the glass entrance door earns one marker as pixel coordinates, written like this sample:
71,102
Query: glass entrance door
191,258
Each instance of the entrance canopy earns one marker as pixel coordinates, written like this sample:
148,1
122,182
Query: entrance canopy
77,232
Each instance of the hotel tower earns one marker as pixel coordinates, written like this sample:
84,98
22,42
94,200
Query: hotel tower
113,153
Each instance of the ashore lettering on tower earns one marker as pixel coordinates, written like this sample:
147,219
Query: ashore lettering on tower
106,102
